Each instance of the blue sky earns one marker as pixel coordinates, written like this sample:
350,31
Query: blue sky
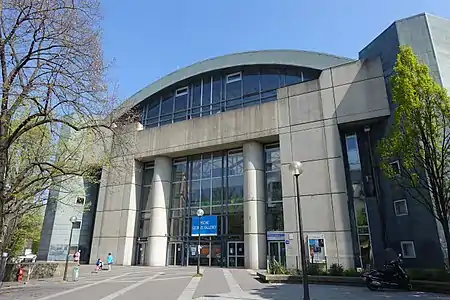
149,39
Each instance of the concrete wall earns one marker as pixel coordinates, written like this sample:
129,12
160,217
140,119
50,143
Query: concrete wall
345,94
305,120
115,220
56,229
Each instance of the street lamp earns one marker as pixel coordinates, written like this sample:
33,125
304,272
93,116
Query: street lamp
72,219
200,213
296,169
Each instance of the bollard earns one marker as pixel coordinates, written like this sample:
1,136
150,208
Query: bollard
75,273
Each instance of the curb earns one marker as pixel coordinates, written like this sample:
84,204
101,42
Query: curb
418,285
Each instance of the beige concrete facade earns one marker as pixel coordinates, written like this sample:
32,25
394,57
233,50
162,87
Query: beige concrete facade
305,120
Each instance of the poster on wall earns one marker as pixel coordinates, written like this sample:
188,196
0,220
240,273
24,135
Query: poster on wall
316,247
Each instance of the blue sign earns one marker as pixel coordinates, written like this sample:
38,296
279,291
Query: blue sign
287,242
208,226
275,236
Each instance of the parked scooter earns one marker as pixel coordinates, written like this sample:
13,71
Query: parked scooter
392,276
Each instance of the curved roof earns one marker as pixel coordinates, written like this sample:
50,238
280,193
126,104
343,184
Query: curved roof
306,59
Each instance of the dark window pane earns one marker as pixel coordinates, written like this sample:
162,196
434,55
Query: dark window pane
217,90
233,90
251,82
251,99
293,77
235,164
195,193
217,165
167,105
181,103
165,119
145,198
196,167
179,171
273,159
268,96
197,94
235,222
207,91
217,191
234,104
270,79
179,193
148,176
153,109
176,227
235,189
206,166
275,217
206,193
273,187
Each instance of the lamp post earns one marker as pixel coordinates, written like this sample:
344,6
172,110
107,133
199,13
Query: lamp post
72,221
200,213
296,169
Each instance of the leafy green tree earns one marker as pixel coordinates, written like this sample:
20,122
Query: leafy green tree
55,106
28,229
420,138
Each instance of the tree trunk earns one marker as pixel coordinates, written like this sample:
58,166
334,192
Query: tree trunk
446,229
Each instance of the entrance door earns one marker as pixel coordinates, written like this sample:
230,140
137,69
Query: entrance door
236,255
175,254
277,251
141,258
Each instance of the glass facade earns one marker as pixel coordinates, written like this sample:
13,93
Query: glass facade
220,91
213,182
274,219
359,199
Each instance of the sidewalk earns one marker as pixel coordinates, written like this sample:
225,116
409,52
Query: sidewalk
85,271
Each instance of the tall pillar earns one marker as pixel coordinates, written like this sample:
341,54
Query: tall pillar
159,202
254,207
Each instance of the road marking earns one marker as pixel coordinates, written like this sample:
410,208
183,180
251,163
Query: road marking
82,287
189,290
235,288
129,288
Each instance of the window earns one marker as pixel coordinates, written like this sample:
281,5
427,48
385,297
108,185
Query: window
395,165
234,77
351,143
76,225
408,250
181,91
400,208
80,200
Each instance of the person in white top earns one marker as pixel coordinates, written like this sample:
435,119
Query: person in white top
76,257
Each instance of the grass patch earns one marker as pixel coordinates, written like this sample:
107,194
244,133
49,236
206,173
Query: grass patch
198,275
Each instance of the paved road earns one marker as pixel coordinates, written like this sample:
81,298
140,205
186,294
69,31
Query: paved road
174,283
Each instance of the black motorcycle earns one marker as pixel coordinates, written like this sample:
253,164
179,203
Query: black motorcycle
392,276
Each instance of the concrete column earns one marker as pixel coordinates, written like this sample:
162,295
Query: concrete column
159,202
254,207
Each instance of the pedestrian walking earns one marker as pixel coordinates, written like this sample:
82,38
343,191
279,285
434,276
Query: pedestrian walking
110,261
76,257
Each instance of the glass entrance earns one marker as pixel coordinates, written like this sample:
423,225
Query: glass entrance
141,257
277,251
236,254
175,256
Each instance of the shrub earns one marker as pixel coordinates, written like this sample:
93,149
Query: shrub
276,268
336,270
316,269
351,273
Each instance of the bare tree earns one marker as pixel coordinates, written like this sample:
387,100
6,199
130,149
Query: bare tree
54,101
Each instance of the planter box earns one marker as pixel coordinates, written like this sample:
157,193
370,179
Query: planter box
418,285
